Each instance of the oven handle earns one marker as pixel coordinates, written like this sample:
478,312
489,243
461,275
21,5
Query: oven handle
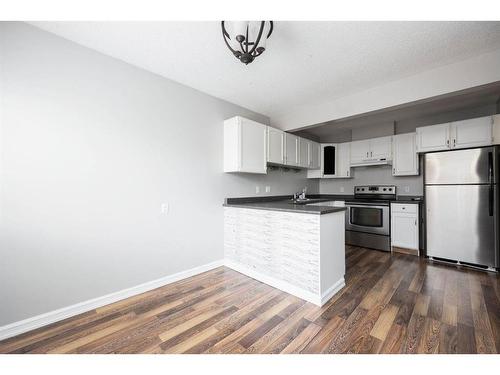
366,205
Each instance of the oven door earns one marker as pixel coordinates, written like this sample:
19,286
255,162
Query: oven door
368,218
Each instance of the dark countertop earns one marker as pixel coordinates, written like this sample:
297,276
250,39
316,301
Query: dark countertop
282,203
416,199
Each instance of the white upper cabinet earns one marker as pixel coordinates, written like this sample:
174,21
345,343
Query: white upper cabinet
275,146
245,146
433,138
343,160
360,151
405,157
313,154
381,148
460,134
472,133
291,150
303,153
371,151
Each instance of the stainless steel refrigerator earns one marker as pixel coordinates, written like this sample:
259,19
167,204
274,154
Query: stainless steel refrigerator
462,206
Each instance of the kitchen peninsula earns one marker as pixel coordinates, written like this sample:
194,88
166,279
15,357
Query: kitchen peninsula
298,248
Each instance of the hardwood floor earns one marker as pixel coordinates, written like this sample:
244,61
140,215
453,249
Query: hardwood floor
391,304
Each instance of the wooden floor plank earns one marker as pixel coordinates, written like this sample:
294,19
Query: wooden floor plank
392,303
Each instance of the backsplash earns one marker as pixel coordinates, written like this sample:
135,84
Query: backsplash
373,175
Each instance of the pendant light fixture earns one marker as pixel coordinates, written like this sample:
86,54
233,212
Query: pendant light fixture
247,39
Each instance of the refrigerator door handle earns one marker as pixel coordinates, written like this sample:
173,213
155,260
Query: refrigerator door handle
492,190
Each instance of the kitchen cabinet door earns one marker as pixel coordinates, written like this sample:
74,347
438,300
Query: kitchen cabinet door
329,160
291,150
381,148
433,138
404,226
344,160
303,152
474,132
314,155
275,146
405,157
360,151
245,146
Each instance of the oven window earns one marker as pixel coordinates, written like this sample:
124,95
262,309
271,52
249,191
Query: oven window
367,216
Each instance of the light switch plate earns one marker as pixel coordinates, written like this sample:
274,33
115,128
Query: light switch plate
268,189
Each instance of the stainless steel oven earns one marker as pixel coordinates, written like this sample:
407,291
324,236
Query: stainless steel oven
367,220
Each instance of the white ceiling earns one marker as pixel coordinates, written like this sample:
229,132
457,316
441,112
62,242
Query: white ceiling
305,62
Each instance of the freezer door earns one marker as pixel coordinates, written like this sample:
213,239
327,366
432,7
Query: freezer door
460,223
474,166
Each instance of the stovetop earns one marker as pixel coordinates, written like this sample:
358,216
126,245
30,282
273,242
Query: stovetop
374,194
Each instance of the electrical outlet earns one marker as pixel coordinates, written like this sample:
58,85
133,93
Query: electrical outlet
342,190
268,189
257,189
407,189
164,208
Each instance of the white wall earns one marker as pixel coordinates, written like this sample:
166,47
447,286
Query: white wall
90,149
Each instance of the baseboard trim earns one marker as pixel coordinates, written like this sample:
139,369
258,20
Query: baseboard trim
38,321
287,287
330,292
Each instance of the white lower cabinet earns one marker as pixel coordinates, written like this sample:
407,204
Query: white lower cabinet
404,225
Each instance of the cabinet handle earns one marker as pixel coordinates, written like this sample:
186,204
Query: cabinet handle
448,143
415,222
393,170
371,154
454,142
348,173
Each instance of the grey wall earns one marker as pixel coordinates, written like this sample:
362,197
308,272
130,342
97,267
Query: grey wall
375,175
90,149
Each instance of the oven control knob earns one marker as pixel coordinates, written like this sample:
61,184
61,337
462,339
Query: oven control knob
384,189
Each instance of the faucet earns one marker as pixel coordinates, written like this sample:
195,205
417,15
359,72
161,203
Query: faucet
303,194
300,195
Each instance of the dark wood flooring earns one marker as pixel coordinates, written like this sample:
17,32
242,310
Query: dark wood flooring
391,304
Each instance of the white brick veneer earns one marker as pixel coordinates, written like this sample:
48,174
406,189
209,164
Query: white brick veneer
283,249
